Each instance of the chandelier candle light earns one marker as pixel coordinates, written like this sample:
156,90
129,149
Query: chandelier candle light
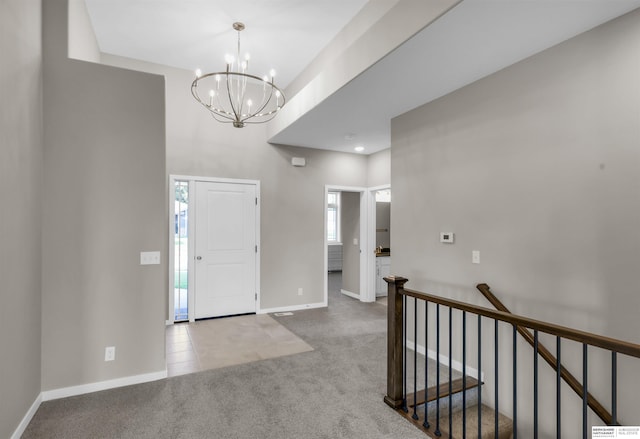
234,96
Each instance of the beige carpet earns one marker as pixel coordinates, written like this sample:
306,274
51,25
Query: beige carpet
334,391
215,343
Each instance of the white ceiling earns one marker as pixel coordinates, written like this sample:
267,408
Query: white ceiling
284,35
475,39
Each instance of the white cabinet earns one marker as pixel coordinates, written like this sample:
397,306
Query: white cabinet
334,254
383,269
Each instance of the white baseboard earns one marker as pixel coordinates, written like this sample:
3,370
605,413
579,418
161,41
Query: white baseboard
350,294
27,418
65,392
292,308
455,365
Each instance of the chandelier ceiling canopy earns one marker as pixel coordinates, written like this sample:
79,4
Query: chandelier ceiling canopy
234,96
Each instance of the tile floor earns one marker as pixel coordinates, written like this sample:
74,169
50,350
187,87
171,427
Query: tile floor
210,344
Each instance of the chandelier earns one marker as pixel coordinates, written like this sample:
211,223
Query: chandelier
234,96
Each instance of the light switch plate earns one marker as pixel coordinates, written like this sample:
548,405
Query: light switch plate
475,256
149,258
110,353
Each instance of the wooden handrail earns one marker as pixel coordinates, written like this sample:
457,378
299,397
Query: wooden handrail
611,344
572,381
396,395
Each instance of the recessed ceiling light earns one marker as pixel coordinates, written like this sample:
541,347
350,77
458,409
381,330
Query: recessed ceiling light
359,148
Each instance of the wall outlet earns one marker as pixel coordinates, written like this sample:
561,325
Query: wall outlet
475,256
300,291
355,241
109,353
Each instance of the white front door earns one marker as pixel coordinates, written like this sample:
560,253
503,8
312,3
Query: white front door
225,249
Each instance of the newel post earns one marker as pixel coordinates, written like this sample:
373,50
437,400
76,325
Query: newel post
395,342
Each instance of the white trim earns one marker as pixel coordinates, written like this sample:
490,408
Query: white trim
350,294
325,249
455,365
65,392
363,240
337,188
214,179
292,308
371,238
17,434
366,293
380,188
191,254
258,244
170,265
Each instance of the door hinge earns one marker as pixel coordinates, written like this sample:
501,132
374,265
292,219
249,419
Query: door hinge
256,297
256,201
256,248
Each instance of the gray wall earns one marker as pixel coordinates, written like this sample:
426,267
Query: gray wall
105,185
538,167
21,153
350,229
82,43
379,168
292,198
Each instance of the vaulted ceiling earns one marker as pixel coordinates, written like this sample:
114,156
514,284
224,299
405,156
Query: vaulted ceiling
472,40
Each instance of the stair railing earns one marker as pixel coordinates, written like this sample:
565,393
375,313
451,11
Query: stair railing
402,301
546,354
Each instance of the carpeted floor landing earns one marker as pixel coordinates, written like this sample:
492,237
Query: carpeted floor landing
335,391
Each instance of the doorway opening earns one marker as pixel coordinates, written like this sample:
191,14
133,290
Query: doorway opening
345,238
382,226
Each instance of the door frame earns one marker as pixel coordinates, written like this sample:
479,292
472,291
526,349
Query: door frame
371,230
191,179
364,273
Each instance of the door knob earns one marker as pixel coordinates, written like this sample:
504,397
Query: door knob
199,258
